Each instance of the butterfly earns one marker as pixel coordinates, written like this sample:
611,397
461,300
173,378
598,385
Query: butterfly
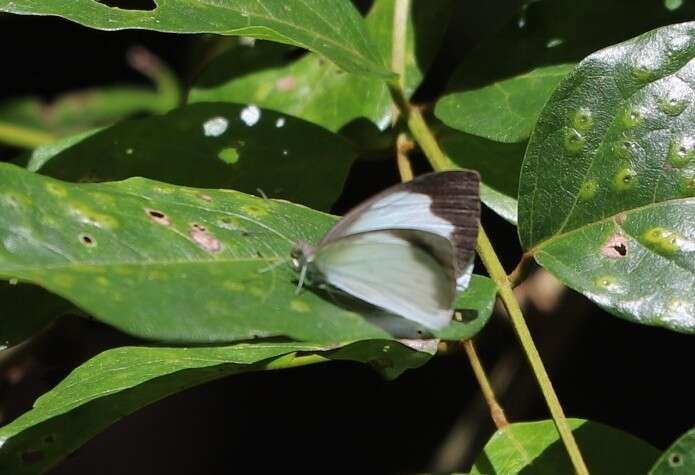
407,250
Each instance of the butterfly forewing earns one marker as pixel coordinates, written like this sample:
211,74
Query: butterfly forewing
406,272
443,203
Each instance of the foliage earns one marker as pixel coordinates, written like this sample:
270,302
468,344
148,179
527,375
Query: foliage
135,206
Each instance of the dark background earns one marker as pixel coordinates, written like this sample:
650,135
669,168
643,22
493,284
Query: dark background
339,417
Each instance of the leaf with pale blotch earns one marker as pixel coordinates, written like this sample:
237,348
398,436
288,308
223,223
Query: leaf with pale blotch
211,145
318,91
607,187
534,448
181,264
679,458
504,111
118,382
498,163
332,28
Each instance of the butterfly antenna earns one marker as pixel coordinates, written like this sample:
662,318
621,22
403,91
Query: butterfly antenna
262,193
272,266
302,275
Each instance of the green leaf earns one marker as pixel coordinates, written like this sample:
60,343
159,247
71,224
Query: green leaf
212,145
316,90
118,382
499,88
607,184
504,111
534,448
332,28
499,165
180,264
679,458
27,310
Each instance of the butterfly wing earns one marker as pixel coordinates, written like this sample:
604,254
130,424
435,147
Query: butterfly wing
406,272
443,203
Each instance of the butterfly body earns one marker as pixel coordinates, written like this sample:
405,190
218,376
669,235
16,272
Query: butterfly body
407,250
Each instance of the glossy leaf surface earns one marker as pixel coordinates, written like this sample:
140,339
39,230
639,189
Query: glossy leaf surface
606,194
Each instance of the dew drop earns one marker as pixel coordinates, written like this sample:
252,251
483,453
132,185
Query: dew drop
588,189
229,155
625,179
280,122
553,42
574,141
681,151
583,119
129,151
250,115
248,41
215,126
285,152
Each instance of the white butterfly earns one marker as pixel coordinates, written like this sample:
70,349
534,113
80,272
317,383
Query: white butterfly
407,250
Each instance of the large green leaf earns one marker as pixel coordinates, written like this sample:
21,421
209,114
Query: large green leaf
499,89
534,448
506,110
316,90
212,145
679,458
332,28
181,264
499,165
607,184
121,381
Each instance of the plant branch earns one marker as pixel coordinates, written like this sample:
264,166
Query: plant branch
494,267
23,137
496,410
439,161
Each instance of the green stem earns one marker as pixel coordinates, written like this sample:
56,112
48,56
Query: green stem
292,360
439,161
496,411
494,267
23,137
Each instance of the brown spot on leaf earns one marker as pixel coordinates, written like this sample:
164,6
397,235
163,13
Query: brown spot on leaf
615,247
204,238
286,83
158,217
620,218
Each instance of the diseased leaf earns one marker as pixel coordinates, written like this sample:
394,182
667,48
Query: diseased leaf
118,382
318,91
504,111
212,145
526,59
679,458
181,264
332,28
607,187
499,165
534,448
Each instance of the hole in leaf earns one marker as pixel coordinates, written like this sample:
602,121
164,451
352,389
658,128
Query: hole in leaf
88,240
143,5
158,217
675,459
615,248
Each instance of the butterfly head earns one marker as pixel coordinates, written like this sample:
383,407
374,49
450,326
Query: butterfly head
301,255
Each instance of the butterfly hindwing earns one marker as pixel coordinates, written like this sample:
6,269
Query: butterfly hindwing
406,272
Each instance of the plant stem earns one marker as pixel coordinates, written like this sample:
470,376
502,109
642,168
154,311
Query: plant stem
439,161
494,267
292,360
23,137
496,410
403,146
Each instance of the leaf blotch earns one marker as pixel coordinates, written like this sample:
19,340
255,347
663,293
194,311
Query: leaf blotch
88,240
625,179
573,141
204,238
588,189
583,119
158,217
675,460
299,306
616,247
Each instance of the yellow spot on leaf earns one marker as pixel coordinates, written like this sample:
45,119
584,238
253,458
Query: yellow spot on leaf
299,306
56,190
233,286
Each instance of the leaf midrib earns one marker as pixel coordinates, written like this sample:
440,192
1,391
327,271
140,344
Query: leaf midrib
556,237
